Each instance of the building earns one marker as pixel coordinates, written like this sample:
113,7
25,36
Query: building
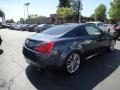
55,19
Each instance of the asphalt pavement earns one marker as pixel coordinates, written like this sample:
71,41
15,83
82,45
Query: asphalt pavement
98,73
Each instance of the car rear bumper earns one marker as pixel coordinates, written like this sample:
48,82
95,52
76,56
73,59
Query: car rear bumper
42,60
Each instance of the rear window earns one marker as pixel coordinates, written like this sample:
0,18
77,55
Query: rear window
60,29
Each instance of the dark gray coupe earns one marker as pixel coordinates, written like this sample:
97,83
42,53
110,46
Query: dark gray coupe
64,46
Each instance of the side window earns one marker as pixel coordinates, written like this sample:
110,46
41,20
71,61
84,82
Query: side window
92,30
99,24
79,31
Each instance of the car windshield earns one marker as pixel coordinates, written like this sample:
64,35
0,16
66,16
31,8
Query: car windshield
60,29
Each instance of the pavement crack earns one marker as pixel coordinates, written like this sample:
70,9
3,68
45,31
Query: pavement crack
9,84
14,61
11,81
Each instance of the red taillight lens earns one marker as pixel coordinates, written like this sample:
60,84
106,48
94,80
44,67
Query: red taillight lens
45,48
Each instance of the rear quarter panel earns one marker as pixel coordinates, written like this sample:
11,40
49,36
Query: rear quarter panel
65,46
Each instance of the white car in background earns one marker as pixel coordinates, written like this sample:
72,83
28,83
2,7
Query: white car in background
101,25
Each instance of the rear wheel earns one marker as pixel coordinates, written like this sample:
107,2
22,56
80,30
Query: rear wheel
72,63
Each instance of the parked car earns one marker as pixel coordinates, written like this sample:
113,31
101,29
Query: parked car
18,26
3,25
42,27
65,46
8,25
101,25
117,30
31,27
12,26
24,27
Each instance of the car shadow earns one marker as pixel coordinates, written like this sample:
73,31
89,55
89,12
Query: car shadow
91,73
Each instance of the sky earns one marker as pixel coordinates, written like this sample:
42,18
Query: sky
15,8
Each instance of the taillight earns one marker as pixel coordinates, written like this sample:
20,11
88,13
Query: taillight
45,48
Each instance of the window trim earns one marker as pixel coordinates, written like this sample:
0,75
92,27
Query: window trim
74,30
94,27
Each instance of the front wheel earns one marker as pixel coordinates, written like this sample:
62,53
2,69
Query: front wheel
72,63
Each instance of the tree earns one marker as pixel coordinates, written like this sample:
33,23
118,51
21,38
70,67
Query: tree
92,15
65,13
64,3
114,11
22,20
77,6
2,14
100,13
10,21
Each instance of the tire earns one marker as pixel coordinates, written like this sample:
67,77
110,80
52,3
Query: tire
72,63
112,45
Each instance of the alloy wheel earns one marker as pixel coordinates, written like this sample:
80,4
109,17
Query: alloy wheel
73,63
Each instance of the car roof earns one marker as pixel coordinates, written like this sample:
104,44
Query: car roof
62,28
74,24
95,22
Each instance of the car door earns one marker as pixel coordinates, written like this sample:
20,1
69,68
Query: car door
81,41
97,38
84,40
102,38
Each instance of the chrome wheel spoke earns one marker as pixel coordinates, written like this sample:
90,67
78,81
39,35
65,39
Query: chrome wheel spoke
74,56
73,63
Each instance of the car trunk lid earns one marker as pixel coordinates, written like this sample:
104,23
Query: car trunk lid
39,39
